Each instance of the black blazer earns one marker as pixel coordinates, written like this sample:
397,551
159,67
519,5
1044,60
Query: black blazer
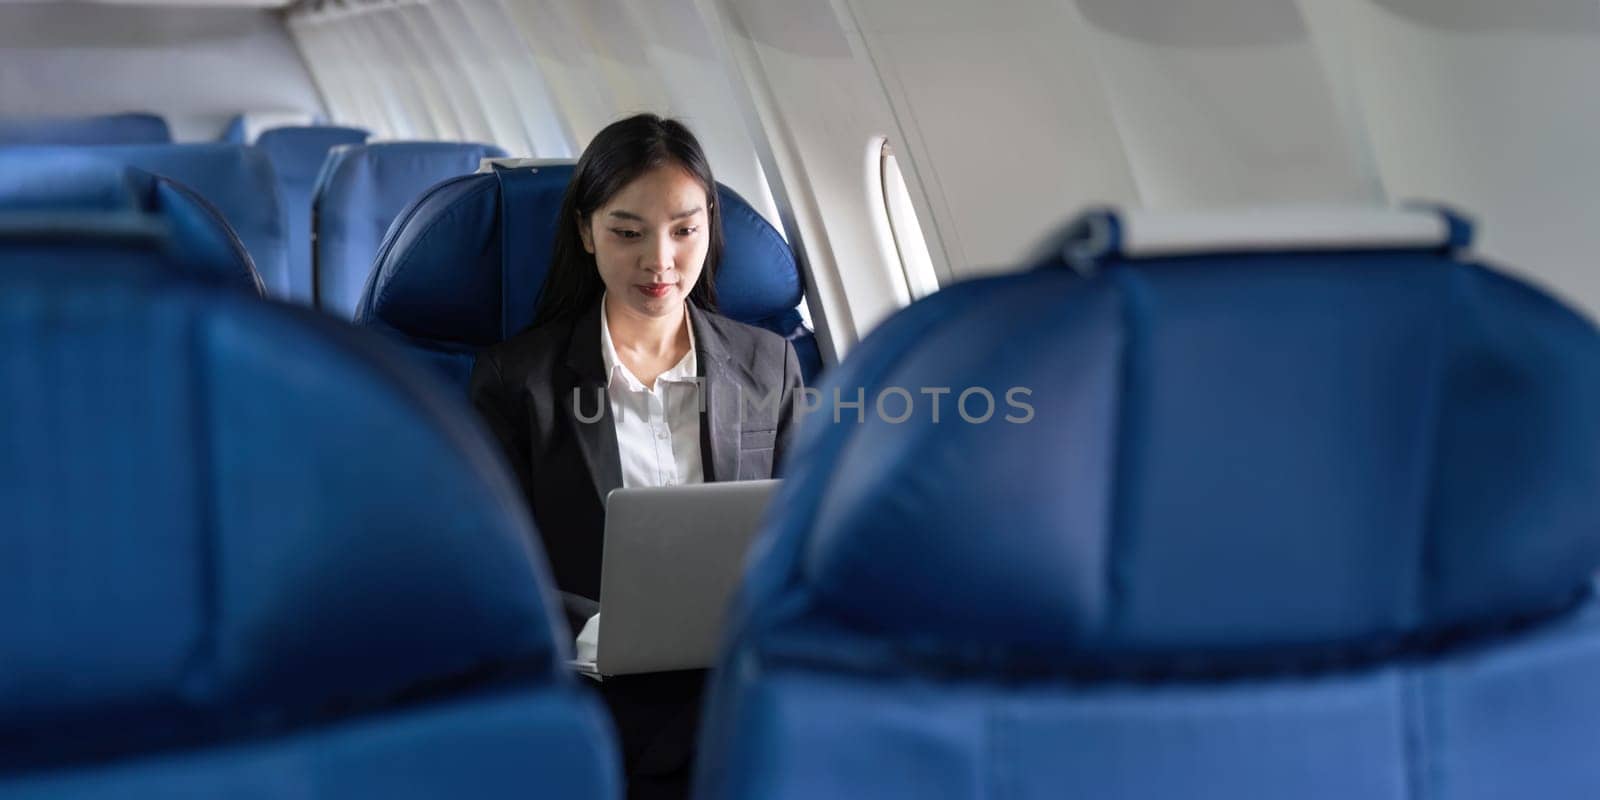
524,388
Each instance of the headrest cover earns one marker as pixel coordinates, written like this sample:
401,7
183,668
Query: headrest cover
1203,459
267,519
444,274
1102,234
108,129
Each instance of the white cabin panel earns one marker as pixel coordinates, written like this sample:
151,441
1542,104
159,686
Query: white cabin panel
198,67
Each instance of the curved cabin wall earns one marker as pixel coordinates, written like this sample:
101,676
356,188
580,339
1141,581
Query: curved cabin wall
1491,107
1009,117
1004,119
198,67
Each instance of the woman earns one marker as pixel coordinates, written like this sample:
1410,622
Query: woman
629,377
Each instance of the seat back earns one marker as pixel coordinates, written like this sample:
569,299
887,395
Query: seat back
57,194
1310,516
297,155
132,128
250,551
247,127
361,190
453,278
237,181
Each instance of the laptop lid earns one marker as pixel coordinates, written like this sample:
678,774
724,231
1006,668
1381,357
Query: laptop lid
673,558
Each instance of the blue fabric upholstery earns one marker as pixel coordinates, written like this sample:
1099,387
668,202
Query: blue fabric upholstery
361,190
57,193
297,155
533,743
1293,524
250,550
237,181
107,129
236,132
452,279
247,127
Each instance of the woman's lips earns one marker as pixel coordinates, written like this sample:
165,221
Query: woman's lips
657,290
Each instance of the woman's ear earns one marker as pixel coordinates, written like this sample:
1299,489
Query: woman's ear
586,235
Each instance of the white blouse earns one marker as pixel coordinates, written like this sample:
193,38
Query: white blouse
658,427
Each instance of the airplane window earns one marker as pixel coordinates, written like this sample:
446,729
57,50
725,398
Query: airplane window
908,239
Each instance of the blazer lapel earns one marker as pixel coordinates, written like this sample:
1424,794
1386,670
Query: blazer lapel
586,399
719,418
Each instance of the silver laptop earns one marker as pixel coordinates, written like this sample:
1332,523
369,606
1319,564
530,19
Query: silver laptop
673,558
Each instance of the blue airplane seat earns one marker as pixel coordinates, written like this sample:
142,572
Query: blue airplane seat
131,128
249,551
1285,509
360,191
237,181
297,154
236,131
55,195
451,279
247,127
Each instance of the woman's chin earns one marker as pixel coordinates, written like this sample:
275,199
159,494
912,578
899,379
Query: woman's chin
654,306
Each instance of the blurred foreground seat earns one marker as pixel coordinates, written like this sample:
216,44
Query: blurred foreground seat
248,551
1282,505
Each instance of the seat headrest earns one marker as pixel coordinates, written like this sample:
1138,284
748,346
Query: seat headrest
442,273
380,172
1200,459
451,274
361,191
297,153
57,194
248,127
77,184
134,128
237,181
1106,234
229,518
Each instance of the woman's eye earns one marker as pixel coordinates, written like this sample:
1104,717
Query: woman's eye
687,231
625,233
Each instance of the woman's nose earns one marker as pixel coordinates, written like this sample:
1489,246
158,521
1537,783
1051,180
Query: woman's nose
660,257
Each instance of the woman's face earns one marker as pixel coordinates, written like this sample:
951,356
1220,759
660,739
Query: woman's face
650,239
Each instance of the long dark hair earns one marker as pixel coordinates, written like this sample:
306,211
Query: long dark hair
619,155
